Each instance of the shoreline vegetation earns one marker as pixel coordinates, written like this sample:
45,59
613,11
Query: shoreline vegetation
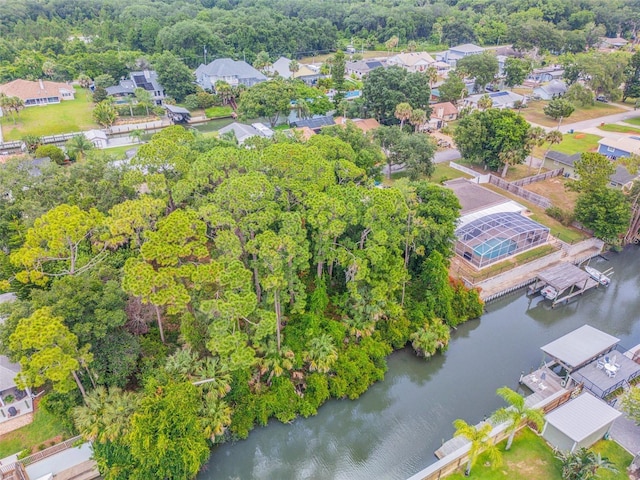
244,285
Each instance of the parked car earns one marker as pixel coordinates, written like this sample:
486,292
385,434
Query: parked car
602,98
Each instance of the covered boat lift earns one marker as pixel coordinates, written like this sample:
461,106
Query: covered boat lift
567,279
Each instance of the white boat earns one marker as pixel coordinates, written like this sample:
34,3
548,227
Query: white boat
598,276
549,292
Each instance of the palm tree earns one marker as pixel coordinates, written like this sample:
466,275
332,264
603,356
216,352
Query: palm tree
583,464
553,137
480,440
485,102
84,80
223,90
136,135
105,113
432,73
48,68
322,353
78,146
516,413
536,137
294,66
391,43
302,108
508,158
144,98
418,118
403,113
412,46
105,415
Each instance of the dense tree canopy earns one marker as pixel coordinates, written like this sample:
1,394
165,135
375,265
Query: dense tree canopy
245,284
485,136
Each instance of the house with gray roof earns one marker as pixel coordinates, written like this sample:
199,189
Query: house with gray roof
503,99
146,79
234,72
553,89
243,132
360,68
454,54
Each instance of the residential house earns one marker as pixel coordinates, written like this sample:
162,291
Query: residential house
503,99
307,73
441,113
553,89
315,123
546,74
364,124
443,68
619,147
97,137
622,178
146,79
41,92
234,72
243,132
412,61
454,54
361,68
554,160
617,42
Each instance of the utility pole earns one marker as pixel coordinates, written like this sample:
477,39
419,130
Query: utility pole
204,49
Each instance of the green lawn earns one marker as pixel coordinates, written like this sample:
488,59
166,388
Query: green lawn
218,112
535,113
44,427
633,121
614,127
577,143
119,152
66,117
617,455
530,458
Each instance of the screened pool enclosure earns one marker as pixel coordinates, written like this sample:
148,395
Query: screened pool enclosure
493,237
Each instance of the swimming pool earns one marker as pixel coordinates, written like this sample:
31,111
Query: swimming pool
495,247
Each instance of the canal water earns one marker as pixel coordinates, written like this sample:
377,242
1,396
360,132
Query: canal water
392,431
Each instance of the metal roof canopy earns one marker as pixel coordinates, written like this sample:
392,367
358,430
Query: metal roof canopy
582,416
580,346
563,276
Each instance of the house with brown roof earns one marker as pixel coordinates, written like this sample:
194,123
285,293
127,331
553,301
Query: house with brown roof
442,113
42,92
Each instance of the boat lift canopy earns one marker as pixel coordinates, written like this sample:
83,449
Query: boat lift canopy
580,347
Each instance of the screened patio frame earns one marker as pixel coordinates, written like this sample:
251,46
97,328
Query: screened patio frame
496,236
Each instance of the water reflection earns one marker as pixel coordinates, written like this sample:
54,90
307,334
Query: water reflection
392,431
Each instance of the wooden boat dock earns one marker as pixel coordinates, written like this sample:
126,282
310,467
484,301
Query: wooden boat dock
567,279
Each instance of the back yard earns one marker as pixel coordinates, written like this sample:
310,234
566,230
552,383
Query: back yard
530,458
65,117
534,113
571,143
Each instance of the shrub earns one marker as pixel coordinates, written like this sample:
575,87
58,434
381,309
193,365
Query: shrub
563,216
54,153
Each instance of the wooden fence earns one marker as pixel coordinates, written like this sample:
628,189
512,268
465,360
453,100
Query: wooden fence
538,178
47,452
534,198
